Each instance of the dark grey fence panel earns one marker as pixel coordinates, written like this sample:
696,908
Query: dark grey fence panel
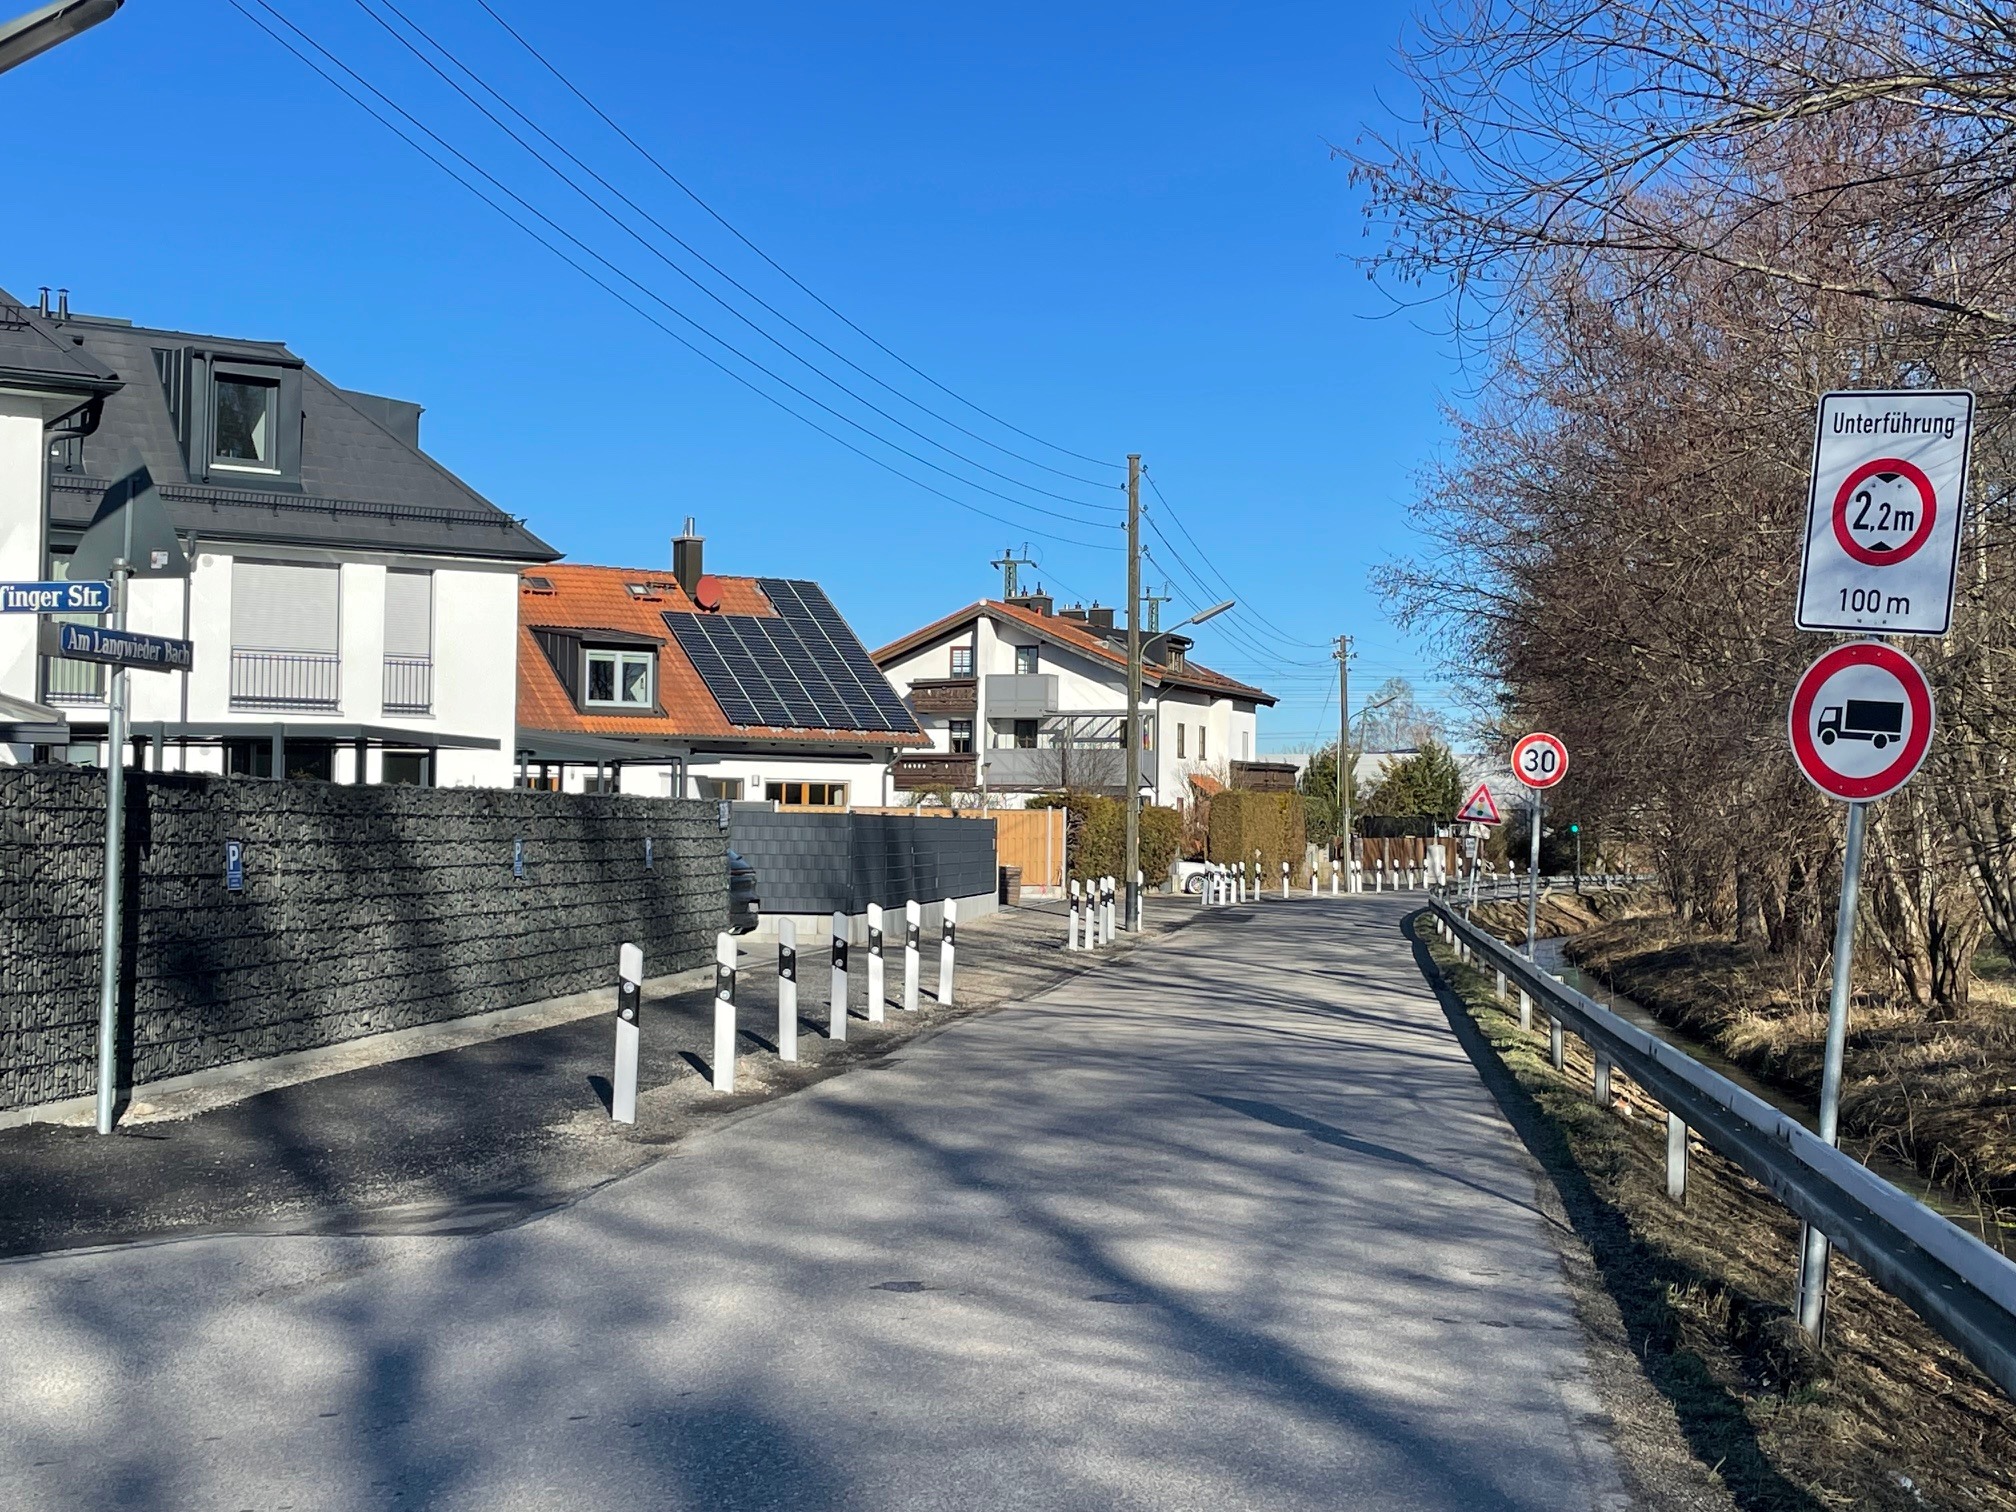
820,863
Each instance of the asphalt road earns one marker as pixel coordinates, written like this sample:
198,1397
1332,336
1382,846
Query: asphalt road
1228,1224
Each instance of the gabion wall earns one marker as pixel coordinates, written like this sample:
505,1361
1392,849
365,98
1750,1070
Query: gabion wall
363,909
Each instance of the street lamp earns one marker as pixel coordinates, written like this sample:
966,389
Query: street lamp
27,36
1137,653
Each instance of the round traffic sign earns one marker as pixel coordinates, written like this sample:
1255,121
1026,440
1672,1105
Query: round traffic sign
1540,760
1861,721
1883,511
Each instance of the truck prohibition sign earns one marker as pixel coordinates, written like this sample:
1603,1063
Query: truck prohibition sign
1861,721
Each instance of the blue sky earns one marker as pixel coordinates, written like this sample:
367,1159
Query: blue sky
1116,227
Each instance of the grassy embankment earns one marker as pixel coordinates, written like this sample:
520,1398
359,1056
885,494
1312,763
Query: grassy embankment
1888,1416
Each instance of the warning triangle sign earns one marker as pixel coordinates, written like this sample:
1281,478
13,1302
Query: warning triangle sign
1479,809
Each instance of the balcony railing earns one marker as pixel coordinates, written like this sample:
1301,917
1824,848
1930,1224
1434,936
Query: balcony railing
66,684
1021,695
409,684
285,682
943,695
917,773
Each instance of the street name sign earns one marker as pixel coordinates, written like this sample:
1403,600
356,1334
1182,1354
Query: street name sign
1479,808
1540,760
88,597
119,648
1883,517
1861,721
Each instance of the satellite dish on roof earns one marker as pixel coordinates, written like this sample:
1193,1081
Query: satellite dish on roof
131,525
707,592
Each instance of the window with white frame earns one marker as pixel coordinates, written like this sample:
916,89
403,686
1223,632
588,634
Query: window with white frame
961,736
617,679
1179,740
962,661
248,416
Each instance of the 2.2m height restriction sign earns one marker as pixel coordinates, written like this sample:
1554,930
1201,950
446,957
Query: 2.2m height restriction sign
1883,519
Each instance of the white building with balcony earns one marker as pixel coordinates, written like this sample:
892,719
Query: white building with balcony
353,605
1020,698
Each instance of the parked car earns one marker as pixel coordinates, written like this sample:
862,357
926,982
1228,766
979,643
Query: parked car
745,908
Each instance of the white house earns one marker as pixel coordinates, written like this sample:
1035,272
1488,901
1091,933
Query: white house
691,684
353,605
1020,698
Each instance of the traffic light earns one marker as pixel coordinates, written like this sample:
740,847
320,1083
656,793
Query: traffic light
1574,829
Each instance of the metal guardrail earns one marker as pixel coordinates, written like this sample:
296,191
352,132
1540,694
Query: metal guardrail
1964,1290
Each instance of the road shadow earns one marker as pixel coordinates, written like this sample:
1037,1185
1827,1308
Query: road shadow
1638,1278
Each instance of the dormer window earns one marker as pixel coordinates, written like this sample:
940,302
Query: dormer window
248,423
617,679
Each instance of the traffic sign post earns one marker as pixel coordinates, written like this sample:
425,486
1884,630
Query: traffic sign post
1883,517
1539,760
1860,723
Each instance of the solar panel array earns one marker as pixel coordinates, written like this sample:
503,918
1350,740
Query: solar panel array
801,668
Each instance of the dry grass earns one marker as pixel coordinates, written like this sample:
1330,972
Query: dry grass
1889,1416
1937,1095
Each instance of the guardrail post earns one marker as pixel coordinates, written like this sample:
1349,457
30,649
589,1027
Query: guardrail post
1525,1010
1071,916
912,928
836,1027
1108,921
1602,1080
787,990
877,997
1676,1157
948,932
724,1013
1557,1051
629,995
1284,881
1333,879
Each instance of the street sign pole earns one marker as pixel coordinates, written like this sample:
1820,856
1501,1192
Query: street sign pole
1814,1245
115,850
1533,880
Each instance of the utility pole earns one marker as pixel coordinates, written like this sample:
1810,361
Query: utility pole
1155,601
1009,563
1133,688
1343,655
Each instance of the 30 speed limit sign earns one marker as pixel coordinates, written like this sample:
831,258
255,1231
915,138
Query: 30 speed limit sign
1540,760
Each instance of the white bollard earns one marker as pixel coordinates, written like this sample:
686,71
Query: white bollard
1312,882
1333,879
724,1013
876,998
787,990
1071,925
1284,881
947,935
1140,898
912,927
1379,876
629,996
836,1023
1239,883
1106,911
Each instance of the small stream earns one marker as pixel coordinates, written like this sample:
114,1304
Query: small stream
1995,1230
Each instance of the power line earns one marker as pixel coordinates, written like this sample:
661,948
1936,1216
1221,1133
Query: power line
686,190
700,257
637,309
1177,520
648,293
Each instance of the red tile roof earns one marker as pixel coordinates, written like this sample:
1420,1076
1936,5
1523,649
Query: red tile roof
1079,637
598,599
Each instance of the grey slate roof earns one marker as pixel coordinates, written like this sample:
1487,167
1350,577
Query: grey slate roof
363,483
31,353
